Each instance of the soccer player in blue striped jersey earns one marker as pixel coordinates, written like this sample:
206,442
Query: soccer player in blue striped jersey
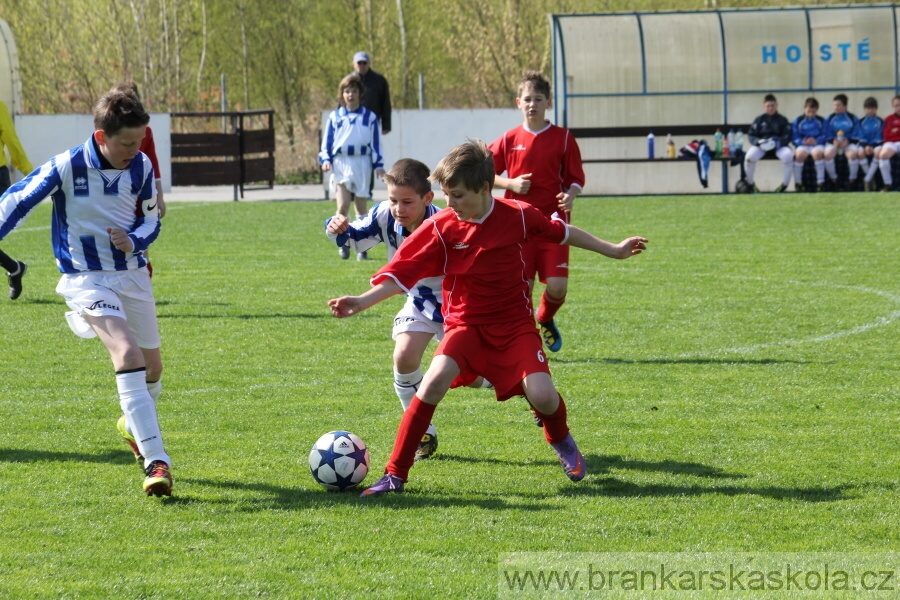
105,214
871,130
420,320
351,148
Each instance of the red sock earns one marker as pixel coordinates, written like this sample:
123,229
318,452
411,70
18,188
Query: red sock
555,426
549,306
413,426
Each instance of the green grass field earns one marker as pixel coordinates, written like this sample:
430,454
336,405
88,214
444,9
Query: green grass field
734,389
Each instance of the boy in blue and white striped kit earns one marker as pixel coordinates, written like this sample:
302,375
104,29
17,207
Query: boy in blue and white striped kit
351,148
420,320
105,215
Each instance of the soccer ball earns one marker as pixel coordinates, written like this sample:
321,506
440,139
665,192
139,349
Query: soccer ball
339,460
743,187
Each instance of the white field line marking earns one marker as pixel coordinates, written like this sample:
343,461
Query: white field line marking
879,322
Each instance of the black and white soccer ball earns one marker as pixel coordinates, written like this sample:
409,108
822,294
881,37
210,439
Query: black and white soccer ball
742,187
339,460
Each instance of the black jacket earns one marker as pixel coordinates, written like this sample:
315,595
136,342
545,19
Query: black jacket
377,98
765,127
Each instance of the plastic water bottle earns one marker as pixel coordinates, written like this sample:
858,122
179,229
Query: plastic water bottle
738,140
839,141
651,145
670,146
729,147
719,139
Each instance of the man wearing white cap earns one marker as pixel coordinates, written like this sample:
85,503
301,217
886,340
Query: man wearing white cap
377,95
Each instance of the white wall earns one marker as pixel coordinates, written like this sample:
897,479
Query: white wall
425,135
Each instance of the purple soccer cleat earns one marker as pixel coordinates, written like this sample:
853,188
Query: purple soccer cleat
388,483
571,458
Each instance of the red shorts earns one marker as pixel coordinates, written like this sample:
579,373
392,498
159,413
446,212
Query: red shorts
545,259
503,354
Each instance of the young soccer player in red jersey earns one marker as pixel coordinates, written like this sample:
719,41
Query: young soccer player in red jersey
890,145
543,165
489,325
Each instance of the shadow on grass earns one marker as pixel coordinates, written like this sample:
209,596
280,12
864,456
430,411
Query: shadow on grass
14,455
615,487
605,463
304,499
602,464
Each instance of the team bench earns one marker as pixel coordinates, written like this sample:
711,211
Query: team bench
707,133
704,132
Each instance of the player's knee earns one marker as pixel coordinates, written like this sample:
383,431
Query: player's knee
406,362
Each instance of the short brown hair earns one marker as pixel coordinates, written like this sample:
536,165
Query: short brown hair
470,164
351,80
842,98
127,86
811,102
408,172
870,102
117,110
535,81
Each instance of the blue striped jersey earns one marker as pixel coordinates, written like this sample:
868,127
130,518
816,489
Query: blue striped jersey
88,199
379,226
352,133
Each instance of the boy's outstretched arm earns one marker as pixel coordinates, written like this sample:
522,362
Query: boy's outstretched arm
347,306
624,249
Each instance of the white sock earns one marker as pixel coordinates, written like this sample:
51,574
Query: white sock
406,385
155,389
140,415
750,170
788,172
873,168
798,172
820,171
830,168
885,165
854,169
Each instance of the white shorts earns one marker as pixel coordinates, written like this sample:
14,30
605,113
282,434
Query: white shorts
895,146
411,318
124,294
353,172
810,149
784,154
851,147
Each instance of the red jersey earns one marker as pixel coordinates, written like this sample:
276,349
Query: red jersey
551,156
481,261
891,128
149,148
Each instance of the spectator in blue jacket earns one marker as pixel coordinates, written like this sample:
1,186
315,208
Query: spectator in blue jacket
808,132
842,135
